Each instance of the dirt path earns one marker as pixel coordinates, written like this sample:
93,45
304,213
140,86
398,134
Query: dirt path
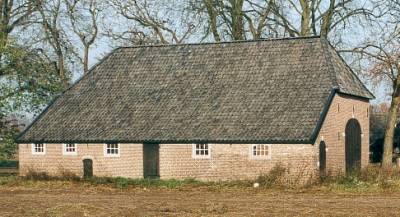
139,202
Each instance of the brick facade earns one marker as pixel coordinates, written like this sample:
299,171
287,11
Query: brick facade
234,161
227,161
128,164
333,130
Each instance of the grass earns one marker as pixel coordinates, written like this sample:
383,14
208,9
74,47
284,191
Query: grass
121,182
370,179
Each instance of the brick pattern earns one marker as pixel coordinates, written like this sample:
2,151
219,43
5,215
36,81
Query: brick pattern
128,164
234,161
333,130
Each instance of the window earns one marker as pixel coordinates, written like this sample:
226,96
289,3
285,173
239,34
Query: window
70,149
261,151
38,148
201,150
111,149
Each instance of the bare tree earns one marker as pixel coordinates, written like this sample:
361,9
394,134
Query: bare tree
386,66
236,19
157,21
320,17
50,15
13,13
244,19
84,17
383,54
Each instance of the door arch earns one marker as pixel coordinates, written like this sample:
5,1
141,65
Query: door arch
353,145
87,168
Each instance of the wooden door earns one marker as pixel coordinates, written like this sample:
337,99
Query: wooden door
87,168
353,146
322,157
151,160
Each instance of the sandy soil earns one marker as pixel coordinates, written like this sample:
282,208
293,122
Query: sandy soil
191,202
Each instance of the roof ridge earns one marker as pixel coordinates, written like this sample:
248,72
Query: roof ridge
328,58
222,42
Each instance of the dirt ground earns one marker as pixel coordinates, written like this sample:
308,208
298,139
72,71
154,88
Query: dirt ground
82,201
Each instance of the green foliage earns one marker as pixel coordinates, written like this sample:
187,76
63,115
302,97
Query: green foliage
8,147
28,80
7,179
122,182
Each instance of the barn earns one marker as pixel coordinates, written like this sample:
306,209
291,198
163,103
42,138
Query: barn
210,111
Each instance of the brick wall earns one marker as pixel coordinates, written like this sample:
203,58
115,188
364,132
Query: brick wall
234,161
333,130
128,164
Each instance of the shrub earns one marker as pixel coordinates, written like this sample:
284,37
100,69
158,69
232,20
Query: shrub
372,177
275,177
68,175
36,175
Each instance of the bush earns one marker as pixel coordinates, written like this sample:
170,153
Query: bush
35,175
64,175
274,178
68,175
370,178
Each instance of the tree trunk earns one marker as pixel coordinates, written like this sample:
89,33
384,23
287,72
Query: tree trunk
213,19
327,20
61,71
391,126
86,60
305,18
237,19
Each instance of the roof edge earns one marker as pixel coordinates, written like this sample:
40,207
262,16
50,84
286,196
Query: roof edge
323,115
20,135
330,46
172,141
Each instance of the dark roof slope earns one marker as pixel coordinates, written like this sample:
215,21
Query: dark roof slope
248,91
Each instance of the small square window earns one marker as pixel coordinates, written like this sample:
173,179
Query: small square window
111,150
261,151
39,148
70,149
201,150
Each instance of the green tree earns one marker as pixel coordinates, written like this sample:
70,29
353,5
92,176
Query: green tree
28,81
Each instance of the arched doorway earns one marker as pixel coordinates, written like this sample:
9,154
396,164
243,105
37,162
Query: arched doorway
353,145
87,168
322,157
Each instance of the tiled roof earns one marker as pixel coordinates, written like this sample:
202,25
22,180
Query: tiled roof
247,91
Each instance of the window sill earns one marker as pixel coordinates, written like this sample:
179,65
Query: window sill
201,157
260,158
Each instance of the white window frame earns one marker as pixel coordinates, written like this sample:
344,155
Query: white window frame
194,149
260,157
34,152
106,154
65,152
